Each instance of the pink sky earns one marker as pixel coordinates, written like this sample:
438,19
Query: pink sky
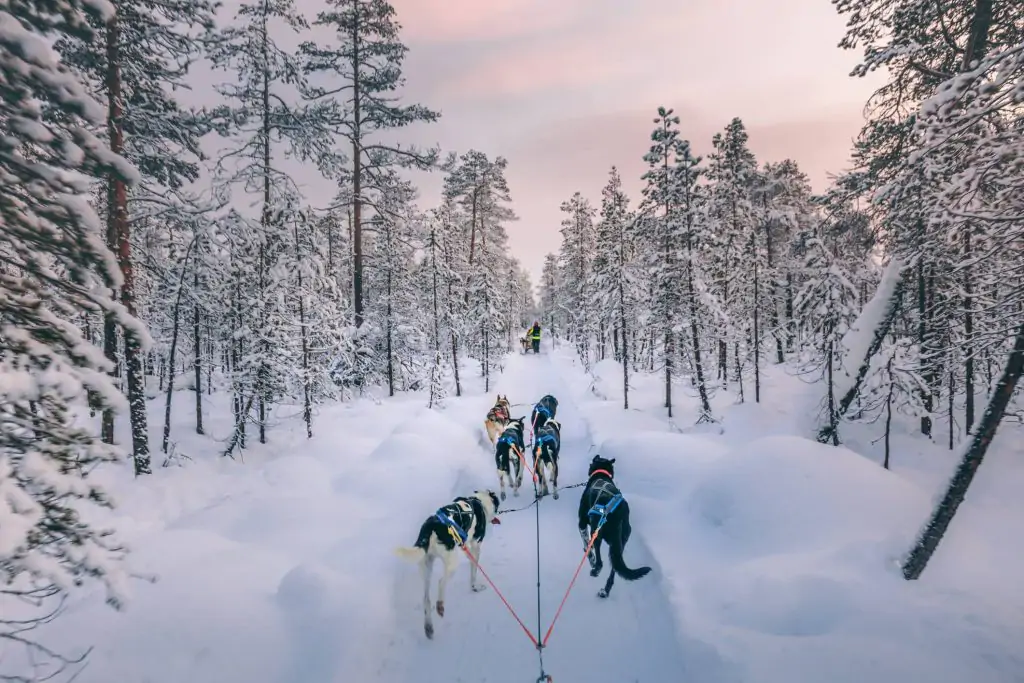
566,88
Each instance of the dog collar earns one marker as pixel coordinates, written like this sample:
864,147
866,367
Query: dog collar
604,472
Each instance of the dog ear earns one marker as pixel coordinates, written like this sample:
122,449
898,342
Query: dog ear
612,461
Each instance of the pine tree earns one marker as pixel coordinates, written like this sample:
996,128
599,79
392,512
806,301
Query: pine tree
436,274
55,266
147,52
576,261
614,279
361,103
733,174
552,309
259,119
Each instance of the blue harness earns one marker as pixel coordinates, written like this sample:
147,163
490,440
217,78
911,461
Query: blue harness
510,440
545,437
602,511
541,408
453,528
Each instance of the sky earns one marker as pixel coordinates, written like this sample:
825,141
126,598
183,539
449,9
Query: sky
564,89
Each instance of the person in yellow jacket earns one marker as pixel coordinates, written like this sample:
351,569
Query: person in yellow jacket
534,335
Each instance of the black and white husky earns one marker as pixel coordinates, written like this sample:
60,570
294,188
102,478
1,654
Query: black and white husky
508,456
462,522
602,499
547,441
542,412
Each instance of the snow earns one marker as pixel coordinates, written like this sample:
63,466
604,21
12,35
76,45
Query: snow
774,557
857,340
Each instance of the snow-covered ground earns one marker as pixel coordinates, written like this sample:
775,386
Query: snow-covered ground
773,556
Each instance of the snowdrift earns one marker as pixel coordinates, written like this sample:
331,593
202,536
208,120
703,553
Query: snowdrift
782,553
285,573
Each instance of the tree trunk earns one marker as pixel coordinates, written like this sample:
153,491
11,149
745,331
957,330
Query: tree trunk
262,382
949,406
888,410
388,328
941,518
197,359
437,326
118,209
790,322
773,310
757,331
968,337
307,402
357,177
174,345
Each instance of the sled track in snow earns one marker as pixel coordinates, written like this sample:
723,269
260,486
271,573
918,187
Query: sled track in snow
629,637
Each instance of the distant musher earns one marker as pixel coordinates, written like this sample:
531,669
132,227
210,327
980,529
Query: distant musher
534,335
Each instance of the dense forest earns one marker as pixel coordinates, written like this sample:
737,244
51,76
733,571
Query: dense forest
133,271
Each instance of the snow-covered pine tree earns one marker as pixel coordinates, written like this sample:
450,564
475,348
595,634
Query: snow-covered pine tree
394,313
733,174
923,45
435,274
477,186
260,117
364,71
452,248
576,259
693,227
670,205
147,52
552,316
825,306
614,277
55,265
784,201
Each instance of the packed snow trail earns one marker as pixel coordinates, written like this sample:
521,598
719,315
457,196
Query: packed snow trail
631,636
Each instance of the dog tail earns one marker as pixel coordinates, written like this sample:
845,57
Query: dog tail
410,554
619,564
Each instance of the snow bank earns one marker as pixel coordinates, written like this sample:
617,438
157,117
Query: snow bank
782,540
279,570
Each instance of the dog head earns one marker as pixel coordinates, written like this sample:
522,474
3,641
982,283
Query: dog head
490,501
516,423
502,401
599,463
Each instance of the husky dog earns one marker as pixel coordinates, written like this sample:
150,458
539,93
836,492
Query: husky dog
546,443
462,523
542,412
497,418
508,455
602,496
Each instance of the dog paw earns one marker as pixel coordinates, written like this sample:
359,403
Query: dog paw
602,593
515,493
555,495
429,630
503,495
596,571
440,608
479,587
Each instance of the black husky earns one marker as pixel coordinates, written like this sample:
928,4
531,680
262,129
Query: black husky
601,500
508,456
547,441
542,412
